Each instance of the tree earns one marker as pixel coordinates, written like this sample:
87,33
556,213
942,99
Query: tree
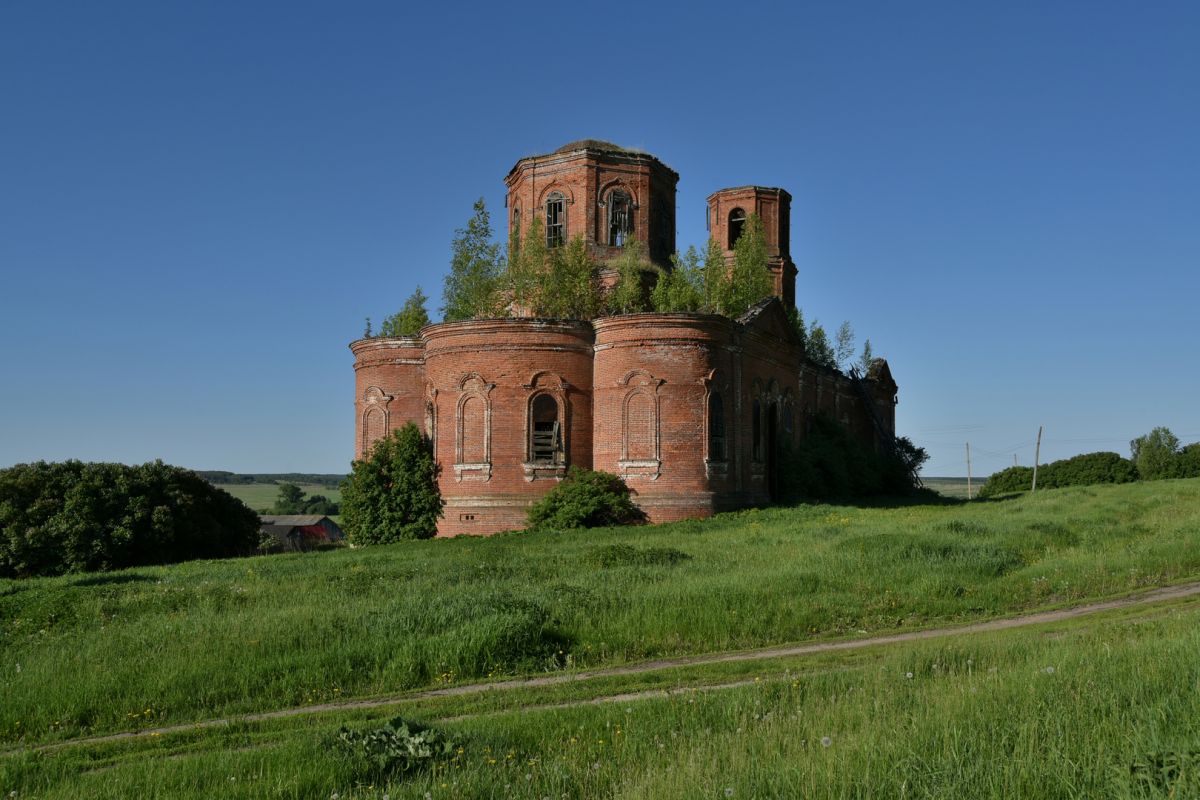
865,359
290,500
1156,454
750,278
77,517
819,350
796,318
526,269
570,287
681,289
716,278
843,347
392,495
470,291
410,319
629,295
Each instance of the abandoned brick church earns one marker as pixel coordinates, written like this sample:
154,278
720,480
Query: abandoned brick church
690,409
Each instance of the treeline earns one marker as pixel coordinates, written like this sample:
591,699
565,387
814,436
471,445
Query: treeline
220,477
80,517
1155,456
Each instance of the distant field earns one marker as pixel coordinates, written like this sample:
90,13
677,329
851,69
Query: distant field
261,496
953,487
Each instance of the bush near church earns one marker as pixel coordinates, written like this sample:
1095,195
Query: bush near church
830,464
77,517
392,495
585,499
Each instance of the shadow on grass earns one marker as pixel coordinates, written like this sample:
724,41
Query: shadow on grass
920,497
111,580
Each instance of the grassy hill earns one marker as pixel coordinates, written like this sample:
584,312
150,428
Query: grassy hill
260,496
121,651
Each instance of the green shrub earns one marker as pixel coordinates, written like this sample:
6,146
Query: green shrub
829,463
396,748
585,499
77,517
392,495
1081,470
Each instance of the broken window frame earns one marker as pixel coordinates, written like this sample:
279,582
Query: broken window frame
556,220
716,427
545,430
737,223
620,217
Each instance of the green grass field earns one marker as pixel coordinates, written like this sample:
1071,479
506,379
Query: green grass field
952,487
152,646
261,496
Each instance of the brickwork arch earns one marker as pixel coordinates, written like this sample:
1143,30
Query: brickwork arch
473,423
641,435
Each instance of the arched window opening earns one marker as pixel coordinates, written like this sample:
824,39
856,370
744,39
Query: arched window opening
737,221
556,219
640,444
473,431
716,428
545,443
620,218
756,431
516,223
374,429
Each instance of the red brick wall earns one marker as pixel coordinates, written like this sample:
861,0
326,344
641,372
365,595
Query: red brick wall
584,178
773,207
483,375
389,387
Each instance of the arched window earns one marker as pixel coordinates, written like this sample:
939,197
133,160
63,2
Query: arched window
473,431
516,223
556,219
374,429
737,220
640,444
716,428
620,217
756,431
545,433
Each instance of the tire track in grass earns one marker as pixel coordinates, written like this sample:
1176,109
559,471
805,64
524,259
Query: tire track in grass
1166,593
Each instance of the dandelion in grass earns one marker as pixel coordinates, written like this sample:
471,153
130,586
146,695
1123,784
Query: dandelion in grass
826,741
908,675
729,791
1048,670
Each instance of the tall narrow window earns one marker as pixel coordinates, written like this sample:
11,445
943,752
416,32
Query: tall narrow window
640,443
516,223
545,442
716,428
556,220
756,431
620,218
737,220
472,443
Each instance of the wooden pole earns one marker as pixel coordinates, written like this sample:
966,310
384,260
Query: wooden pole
968,470
1037,456
1014,459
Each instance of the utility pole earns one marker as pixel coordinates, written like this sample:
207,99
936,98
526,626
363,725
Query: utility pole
968,470
1014,459
1037,456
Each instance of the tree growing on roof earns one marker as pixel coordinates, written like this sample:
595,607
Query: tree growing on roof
409,320
471,288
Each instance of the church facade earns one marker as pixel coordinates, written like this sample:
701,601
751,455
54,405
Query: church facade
690,409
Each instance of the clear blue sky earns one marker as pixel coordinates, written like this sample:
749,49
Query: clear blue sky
200,202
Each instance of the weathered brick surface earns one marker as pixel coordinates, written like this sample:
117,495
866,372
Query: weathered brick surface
774,207
632,394
483,377
584,175
389,387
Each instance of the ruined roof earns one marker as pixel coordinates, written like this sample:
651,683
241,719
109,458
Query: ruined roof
291,520
598,146
754,187
593,144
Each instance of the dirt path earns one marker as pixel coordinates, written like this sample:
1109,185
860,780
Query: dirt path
761,654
